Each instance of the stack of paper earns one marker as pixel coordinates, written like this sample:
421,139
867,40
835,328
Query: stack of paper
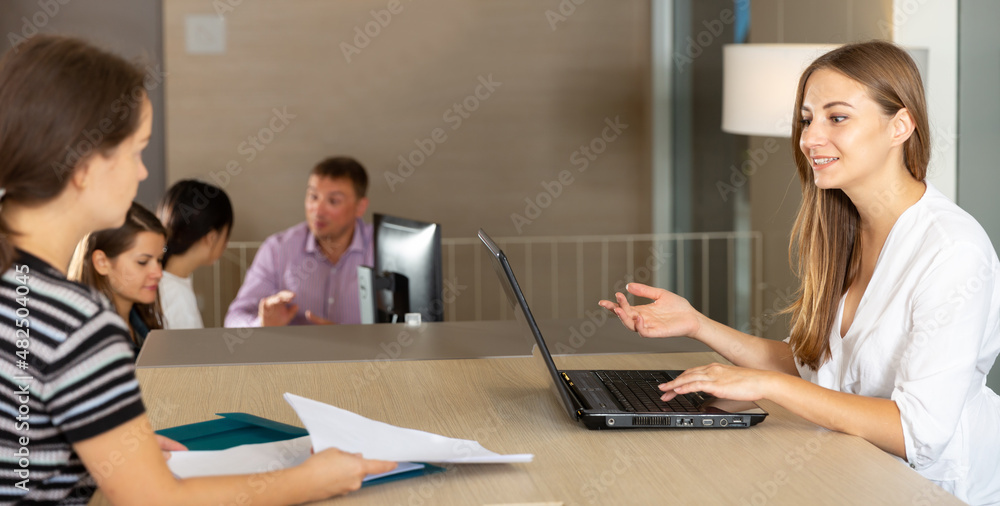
332,427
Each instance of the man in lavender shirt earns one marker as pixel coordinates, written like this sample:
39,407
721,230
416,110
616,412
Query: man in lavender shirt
309,273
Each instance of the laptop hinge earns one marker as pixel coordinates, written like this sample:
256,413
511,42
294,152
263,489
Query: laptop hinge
580,406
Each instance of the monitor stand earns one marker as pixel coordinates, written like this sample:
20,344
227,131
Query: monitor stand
384,298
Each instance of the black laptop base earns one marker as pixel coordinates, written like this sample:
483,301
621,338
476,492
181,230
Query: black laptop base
601,407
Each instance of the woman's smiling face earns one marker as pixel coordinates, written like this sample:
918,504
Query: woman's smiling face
135,274
846,136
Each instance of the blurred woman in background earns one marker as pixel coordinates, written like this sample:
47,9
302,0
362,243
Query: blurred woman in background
198,218
126,264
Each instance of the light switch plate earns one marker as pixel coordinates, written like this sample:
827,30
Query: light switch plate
205,34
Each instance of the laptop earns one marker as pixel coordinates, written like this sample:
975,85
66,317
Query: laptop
615,399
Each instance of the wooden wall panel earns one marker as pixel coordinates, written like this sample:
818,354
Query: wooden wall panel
558,86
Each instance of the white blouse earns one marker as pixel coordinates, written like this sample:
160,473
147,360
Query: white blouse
925,334
179,304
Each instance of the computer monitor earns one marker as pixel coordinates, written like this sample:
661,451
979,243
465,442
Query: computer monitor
406,277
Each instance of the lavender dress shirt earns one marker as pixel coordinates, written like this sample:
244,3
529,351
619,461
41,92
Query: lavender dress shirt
292,260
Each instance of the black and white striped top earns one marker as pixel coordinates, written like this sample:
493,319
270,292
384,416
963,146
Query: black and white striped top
67,374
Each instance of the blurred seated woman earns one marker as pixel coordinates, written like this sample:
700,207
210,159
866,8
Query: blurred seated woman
125,264
198,218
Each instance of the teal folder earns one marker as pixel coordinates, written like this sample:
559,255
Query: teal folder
235,429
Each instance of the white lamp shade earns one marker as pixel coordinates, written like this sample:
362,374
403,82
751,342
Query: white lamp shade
759,80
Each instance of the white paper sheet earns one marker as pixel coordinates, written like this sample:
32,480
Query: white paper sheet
254,458
244,459
332,427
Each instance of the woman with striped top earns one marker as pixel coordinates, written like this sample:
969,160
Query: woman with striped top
73,123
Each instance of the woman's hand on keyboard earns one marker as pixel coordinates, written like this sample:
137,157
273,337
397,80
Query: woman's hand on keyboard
723,381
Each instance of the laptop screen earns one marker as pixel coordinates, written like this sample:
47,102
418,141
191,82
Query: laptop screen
523,313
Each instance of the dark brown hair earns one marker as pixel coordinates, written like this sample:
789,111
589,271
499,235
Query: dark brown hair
826,245
61,102
190,210
113,242
344,167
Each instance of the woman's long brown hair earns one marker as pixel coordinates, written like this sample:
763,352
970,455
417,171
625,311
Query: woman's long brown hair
62,101
825,247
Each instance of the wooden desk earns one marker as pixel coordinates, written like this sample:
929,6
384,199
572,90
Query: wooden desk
507,404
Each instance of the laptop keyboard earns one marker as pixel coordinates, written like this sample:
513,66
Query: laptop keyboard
638,391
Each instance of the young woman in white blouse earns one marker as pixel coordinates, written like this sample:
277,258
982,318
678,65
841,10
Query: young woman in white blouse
897,321
198,218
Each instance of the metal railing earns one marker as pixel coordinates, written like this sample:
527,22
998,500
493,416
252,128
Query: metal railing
720,273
